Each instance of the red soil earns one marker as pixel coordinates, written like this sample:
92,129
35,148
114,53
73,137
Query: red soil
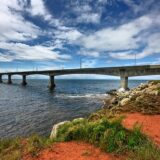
82,151
73,151
150,124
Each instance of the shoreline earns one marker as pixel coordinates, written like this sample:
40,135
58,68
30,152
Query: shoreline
120,112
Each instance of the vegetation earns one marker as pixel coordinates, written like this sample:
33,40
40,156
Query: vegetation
15,148
109,136
146,152
102,129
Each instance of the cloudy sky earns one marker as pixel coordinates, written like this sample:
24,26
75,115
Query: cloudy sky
56,34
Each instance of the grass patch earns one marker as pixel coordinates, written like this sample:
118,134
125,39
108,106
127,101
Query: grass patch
110,136
15,148
145,152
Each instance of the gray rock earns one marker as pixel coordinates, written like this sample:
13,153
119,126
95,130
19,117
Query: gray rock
55,129
124,101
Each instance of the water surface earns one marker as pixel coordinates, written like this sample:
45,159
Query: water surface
34,109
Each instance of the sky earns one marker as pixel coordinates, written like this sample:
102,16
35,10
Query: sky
61,34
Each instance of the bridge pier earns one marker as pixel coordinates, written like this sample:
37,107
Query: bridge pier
9,79
1,81
124,82
24,82
51,82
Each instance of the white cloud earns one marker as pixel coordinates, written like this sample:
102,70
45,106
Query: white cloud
25,52
87,63
119,38
86,52
152,47
142,5
38,8
89,18
124,41
13,26
68,34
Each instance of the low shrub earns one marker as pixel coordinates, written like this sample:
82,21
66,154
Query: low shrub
147,151
16,148
110,136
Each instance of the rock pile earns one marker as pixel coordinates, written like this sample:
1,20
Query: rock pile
145,98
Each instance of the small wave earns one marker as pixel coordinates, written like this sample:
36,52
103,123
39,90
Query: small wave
99,96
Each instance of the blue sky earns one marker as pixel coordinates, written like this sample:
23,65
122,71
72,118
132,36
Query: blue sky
56,34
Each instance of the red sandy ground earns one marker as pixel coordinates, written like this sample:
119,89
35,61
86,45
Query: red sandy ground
150,124
82,151
73,151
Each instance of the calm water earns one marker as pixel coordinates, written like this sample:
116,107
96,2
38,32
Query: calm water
34,109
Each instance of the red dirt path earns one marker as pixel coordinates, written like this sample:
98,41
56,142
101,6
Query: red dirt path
150,124
82,151
73,151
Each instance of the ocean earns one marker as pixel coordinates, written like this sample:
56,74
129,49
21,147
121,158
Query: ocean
35,109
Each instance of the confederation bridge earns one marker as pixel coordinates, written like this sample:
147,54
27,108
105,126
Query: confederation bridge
123,72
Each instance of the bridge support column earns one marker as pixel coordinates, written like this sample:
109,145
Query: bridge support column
9,79
24,82
124,83
1,81
51,82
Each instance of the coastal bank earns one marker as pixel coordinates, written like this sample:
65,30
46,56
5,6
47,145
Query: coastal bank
126,127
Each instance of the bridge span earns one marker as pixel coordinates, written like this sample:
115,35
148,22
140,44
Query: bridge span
123,72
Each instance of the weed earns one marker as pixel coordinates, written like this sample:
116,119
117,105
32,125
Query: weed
110,136
147,151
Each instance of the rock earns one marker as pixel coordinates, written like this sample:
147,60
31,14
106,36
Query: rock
154,92
121,90
111,92
124,101
55,129
114,100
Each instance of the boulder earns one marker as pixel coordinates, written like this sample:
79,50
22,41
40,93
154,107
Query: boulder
154,92
111,92
55,129
124,101
121,90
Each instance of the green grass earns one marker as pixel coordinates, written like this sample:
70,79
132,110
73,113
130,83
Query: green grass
145,152
15,148
109,136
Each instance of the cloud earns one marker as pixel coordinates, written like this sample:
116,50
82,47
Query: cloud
13,27
126,40
37,8
87,63
15,31
20,51
91,53
89,18
152,47
141,6
119,38
68,34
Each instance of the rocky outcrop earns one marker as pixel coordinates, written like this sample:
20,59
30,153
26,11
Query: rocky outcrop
144,98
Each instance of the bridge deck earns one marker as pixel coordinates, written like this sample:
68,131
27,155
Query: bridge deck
115,71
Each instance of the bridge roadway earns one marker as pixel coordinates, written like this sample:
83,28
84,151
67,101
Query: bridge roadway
123,72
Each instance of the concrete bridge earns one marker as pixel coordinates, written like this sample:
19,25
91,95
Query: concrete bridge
122,72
